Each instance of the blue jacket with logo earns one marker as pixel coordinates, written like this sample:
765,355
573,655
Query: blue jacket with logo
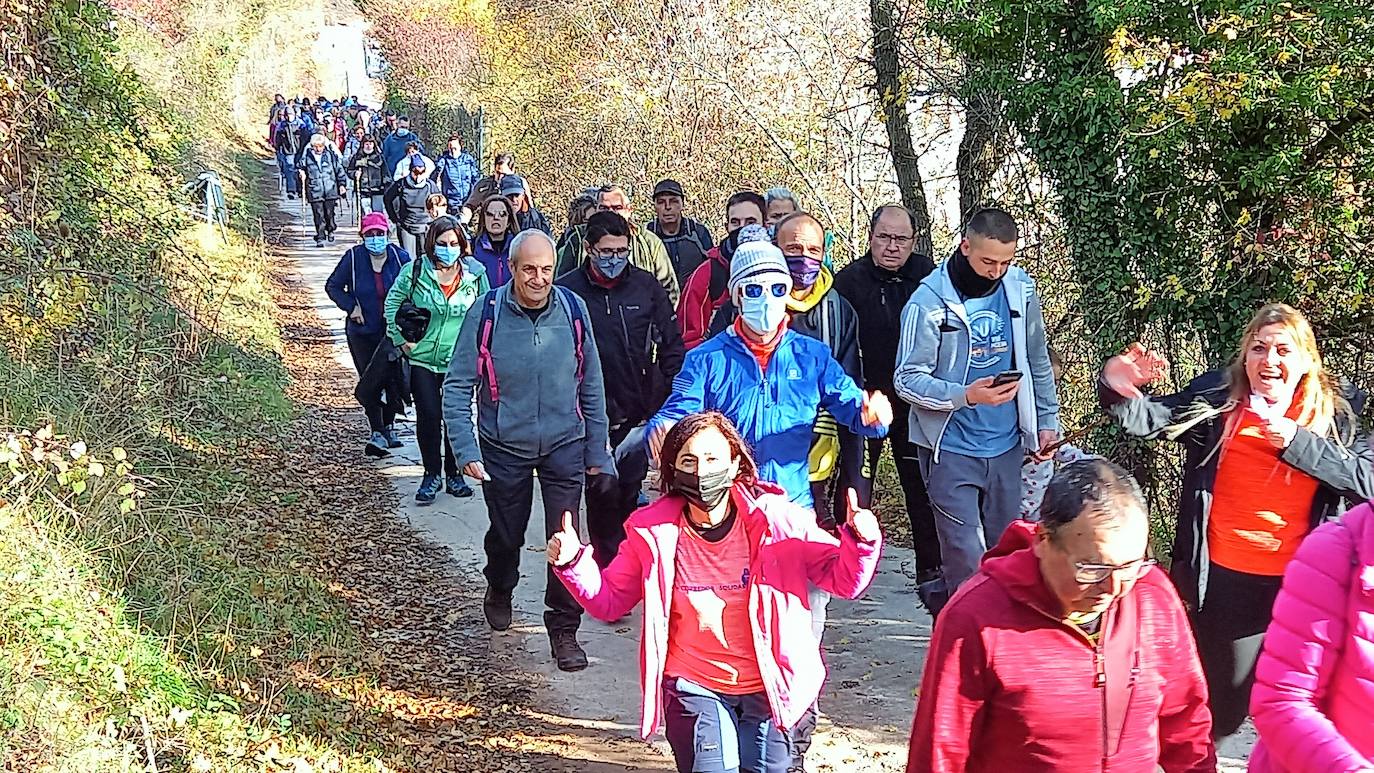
774,410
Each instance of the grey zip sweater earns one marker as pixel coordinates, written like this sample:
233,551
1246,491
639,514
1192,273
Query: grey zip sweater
933,358
541,406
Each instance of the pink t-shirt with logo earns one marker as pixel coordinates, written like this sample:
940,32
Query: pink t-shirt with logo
710,639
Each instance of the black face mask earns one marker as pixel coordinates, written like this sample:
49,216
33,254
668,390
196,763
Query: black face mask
704,491
968,282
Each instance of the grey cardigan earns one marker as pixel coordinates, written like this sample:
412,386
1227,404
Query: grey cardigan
541,407
933,358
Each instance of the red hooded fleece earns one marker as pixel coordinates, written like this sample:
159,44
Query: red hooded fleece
1008,687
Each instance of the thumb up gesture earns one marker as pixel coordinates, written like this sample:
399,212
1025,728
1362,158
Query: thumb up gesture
861,521
565,544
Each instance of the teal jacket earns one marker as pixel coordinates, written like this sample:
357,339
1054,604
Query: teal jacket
446,315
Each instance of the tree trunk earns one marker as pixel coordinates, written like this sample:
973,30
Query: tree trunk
981,152
892,99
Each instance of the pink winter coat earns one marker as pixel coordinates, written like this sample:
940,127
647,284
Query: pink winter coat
788,552
1313,700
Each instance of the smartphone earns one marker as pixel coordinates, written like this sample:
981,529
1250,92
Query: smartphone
1006,377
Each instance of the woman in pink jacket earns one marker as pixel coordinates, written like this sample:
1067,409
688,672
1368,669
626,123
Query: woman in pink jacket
1313,701
722,562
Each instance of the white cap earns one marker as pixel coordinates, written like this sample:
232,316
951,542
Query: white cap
758,262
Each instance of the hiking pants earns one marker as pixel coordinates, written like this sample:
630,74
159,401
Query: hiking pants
427,387
380,413
974,501
711,732
510,497
1230,633
287,164
371,204
925,540
611,498
409,242
323,214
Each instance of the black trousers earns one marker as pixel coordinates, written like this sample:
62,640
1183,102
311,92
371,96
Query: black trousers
323,214
612,498
381,413
1230,633
427,388
926,541
510,498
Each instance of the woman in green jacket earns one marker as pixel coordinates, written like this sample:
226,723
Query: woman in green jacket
445,281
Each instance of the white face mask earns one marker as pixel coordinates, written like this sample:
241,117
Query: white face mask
764,313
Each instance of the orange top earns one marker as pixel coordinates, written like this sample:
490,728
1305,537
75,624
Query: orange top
762,352
1261,506
450,289
710,638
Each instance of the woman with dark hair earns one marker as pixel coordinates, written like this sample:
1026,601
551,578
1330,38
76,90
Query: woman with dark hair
446,282
722,563
496,226
1272,450
580,209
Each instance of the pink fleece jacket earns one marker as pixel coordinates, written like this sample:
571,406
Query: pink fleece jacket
788,552
1313,700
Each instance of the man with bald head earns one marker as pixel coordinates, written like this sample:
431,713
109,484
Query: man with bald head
528,356
878,285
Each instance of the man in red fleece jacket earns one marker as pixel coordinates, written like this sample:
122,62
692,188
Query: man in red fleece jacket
1068,650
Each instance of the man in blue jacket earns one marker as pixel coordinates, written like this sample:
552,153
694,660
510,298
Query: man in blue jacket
527,356
394,146
768,379
974,365
456,172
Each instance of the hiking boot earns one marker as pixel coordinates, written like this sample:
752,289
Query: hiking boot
429,490
496,606
391,440
566,651
376,447
455,485
319,242
330,237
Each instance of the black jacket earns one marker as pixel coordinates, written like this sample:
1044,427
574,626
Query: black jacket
637,337
372,178
323,175
878,296
533,218
405,203
834,323
1345,470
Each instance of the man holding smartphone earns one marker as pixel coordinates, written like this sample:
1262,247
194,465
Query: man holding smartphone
974,365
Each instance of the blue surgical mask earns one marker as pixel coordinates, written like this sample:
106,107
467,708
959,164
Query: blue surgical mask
764,313
375,244
402,131
611,266
447,254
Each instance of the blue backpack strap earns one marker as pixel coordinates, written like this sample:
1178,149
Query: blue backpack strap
579,331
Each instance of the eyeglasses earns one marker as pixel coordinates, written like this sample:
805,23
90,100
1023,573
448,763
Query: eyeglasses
617,255
1092,574
756,290
893,239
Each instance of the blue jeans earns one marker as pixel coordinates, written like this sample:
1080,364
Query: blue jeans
714,733
287,163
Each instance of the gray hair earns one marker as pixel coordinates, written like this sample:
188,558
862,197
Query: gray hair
779,193
317,137
531,233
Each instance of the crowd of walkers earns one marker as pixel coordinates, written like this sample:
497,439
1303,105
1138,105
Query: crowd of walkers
762,385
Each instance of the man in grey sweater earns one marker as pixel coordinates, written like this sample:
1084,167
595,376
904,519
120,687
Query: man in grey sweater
975,367
527,353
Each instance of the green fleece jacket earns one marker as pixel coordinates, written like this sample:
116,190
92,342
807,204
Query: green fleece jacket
446,315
